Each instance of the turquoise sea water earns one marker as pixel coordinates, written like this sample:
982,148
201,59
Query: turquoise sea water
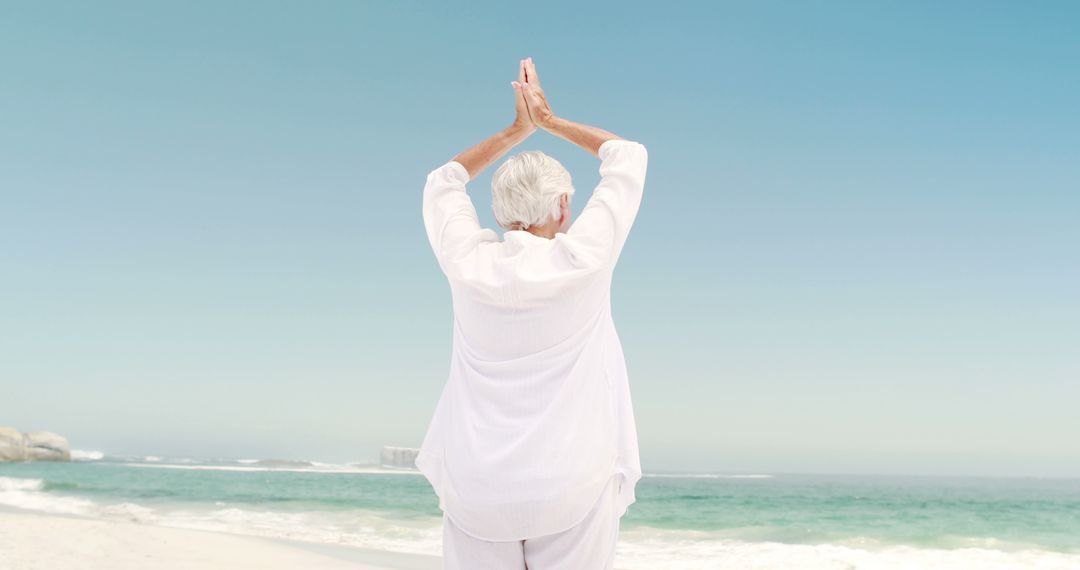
679,520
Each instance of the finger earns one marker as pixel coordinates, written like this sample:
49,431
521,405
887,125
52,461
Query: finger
531,96
519,97
521,71
530,72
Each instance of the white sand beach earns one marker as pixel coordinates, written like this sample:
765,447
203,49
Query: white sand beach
35,541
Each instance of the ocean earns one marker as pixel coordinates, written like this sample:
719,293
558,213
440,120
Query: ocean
690,521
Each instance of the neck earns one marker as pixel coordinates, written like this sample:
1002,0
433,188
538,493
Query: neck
543,231
548,231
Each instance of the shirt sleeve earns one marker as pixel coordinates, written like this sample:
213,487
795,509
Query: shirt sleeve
601,229
449,214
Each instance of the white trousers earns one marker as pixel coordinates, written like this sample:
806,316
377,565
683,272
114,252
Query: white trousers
589,545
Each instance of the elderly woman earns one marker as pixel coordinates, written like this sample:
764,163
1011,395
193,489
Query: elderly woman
532,449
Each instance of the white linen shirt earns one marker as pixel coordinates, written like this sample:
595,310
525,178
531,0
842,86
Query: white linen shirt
535,416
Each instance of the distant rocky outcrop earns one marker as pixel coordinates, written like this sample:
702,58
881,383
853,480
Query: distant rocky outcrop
399,457
32,446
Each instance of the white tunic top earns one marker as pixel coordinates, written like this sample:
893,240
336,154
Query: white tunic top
536,415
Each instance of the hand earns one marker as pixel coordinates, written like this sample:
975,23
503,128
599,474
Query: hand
522,122
536,102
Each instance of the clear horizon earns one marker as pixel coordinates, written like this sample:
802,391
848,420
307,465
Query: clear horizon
853,253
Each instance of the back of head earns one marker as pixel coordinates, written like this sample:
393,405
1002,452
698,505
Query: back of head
525,190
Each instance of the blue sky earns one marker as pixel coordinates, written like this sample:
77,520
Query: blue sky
856,251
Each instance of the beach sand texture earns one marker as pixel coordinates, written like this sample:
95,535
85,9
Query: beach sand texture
31,541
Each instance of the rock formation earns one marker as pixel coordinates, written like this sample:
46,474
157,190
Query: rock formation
399,457
32,446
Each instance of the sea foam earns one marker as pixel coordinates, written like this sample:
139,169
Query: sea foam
28,494
86,455
644,548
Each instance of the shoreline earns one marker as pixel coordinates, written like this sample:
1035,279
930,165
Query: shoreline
28,539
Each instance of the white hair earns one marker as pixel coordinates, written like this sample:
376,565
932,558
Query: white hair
526,189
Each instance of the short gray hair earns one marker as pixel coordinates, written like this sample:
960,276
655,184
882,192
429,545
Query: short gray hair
526,189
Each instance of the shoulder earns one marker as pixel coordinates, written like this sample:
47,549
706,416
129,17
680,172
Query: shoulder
622,146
